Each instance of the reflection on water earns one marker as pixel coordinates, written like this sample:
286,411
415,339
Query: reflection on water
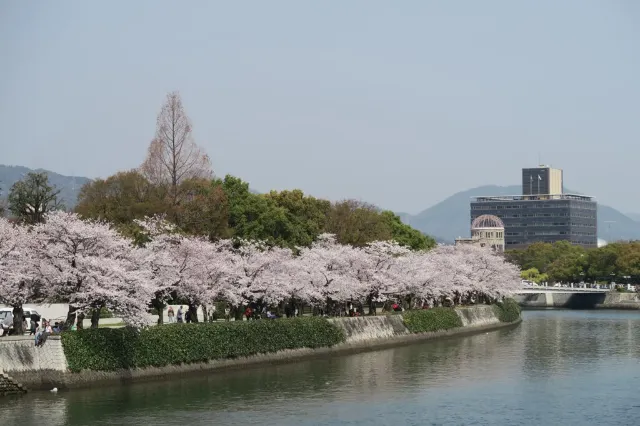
558,367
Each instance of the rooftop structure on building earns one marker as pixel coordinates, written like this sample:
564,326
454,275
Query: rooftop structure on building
543,213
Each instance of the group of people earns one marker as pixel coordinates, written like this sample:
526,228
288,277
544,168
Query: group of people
181,316
252,312
43,331
40,331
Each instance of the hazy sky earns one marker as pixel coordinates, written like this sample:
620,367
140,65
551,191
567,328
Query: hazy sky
399,103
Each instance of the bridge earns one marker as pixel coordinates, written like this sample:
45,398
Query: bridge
567,290
577,297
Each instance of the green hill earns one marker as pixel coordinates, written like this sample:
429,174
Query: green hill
451,218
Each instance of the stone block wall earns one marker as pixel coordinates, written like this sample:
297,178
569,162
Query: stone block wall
477,315
9,386
19,353
367,329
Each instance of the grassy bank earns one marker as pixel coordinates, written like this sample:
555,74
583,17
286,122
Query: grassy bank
507,311
441,319
111,349
429,320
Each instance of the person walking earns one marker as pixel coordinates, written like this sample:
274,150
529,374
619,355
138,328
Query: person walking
180,315
171,315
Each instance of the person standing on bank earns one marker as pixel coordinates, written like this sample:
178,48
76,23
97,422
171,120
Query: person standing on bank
171,315
179,316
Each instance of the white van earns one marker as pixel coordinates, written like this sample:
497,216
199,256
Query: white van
28,312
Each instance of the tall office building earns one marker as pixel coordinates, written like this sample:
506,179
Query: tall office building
543,212
542,180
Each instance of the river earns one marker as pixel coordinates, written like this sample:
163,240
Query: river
558,367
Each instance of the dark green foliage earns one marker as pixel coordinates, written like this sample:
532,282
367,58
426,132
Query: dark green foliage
405,234
507,311
427,320
106,349
33,197
105,313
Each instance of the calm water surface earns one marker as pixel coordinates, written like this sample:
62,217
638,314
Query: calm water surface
556,368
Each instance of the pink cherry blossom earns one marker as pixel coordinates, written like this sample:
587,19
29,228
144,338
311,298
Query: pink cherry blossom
88,265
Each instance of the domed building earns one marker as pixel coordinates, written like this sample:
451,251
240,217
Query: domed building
487,231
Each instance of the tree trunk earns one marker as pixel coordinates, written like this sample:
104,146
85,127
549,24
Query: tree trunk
95,317
159,306
71,318
238,312
205,314
194,312
80,321
18,316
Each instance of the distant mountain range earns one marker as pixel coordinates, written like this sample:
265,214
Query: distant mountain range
444,221
451,218
69,186
634,216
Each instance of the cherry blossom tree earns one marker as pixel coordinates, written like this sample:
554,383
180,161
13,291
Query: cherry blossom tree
334,272
383,272
19,283
161,241
88,265
263,273
189,268
208,271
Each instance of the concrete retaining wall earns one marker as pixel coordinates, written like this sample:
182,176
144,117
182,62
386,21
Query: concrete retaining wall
46,367
478,316
550,299
19,353
9,386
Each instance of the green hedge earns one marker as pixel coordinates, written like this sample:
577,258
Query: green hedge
106,349
436,319
507,311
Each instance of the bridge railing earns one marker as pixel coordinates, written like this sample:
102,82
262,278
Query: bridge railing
562,290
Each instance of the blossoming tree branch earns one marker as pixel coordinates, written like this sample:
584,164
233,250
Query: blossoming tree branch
89,265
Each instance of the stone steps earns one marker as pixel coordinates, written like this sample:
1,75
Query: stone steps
9,386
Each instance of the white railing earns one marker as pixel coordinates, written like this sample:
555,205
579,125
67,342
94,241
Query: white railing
541,289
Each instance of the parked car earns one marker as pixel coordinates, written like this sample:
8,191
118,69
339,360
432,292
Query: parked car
29,314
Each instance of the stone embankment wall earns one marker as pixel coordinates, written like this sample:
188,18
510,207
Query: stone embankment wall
371,331
550,299
46,367
9,386
28,365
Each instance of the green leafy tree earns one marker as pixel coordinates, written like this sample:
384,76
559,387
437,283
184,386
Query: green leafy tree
405,234
602,262
628,261
203,209
121,198
532,274
567,268
2,202
306,216
357,223
253,216
33,197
